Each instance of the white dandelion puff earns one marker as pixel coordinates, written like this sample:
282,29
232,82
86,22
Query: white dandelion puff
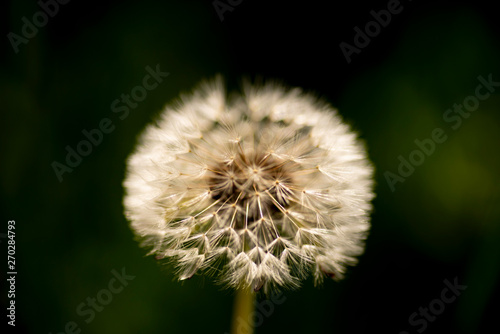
261,190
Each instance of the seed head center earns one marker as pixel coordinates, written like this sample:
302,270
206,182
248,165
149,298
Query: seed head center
250,180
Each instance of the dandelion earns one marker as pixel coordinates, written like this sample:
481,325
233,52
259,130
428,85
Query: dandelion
261,190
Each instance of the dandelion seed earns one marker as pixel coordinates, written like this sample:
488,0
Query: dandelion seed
261,191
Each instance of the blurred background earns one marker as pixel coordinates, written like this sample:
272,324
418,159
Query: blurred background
441,223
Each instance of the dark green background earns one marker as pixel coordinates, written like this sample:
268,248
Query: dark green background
441,223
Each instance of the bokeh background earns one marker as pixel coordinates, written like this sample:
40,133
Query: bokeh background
442,223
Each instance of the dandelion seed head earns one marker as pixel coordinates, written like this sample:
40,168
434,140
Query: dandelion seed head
261,191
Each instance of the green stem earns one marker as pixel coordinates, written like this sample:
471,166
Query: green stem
242,322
